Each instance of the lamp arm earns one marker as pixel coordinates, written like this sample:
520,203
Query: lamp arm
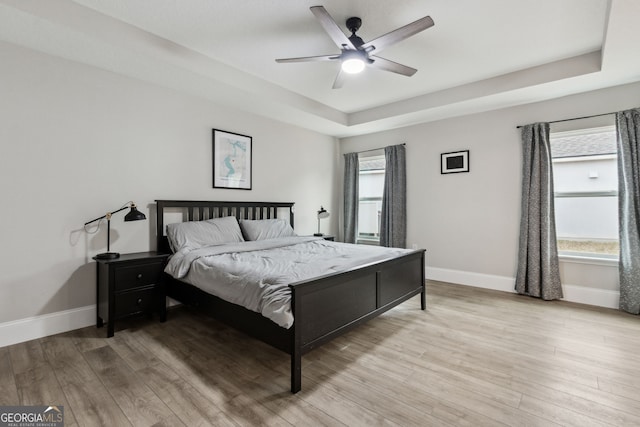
94,220
108,214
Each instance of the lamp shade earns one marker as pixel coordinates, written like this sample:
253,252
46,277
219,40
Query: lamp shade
353,61
323,213
134,214
353,66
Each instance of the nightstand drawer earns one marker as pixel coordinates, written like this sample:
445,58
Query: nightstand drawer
136,276
135,302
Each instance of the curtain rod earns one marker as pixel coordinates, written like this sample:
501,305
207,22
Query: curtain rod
575,118
375,149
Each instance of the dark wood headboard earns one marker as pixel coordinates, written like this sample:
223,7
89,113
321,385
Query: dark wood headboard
200,210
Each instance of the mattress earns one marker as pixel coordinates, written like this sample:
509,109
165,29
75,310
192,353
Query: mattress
257,274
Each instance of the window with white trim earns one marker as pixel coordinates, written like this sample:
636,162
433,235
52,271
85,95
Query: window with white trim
585,179
370,188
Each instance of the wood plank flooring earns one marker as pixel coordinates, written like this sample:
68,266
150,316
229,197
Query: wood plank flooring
474,358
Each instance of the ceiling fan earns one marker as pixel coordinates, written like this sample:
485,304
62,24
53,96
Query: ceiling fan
355,54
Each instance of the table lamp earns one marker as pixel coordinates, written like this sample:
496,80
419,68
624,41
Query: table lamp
133,215
322,213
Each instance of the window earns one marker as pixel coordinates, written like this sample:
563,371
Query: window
585,179
370,188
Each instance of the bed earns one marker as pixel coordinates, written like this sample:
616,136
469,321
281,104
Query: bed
323,307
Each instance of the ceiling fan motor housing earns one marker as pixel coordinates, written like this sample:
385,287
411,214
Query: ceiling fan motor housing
353,24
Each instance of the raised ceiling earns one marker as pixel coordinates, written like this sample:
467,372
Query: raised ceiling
479,55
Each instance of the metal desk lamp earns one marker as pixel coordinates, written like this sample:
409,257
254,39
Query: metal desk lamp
322,213
133,215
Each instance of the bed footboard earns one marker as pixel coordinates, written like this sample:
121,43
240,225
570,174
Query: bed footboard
328,306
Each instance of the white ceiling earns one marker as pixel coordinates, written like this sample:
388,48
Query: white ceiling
480,55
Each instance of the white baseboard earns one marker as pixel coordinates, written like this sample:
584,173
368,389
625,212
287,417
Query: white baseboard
574,293
22,330
591,296
478,280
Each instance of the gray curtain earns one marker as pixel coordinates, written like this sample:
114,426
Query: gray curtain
628,129
538,272
393,219
351,174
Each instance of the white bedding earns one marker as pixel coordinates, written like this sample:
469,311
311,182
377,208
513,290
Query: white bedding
256,274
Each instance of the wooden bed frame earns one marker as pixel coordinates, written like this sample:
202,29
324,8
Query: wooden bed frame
323,308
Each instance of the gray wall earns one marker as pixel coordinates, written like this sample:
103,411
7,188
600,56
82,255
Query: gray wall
77,142
469,222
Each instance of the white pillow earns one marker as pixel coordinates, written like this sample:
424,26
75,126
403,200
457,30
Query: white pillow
196,234
263,229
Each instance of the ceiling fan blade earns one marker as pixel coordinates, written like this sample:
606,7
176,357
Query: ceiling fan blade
376,45
330,26
309,58
394,67
339,81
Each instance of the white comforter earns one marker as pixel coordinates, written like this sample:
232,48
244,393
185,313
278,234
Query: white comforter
256,274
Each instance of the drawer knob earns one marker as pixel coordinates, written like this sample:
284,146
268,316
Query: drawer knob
139,276
139,301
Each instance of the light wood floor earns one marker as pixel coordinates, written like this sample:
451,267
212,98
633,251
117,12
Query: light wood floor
474,358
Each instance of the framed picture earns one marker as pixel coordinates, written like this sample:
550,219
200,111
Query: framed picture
231,160
455,162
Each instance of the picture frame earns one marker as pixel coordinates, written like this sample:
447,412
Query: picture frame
454,162
232,160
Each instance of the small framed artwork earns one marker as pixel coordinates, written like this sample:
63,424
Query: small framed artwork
231,160
455,162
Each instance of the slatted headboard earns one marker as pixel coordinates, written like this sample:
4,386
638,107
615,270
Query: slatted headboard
201,210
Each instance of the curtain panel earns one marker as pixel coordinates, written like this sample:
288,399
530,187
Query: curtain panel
351,197
393,218
628,140
538,272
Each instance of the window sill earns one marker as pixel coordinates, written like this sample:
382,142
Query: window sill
372,242
589,259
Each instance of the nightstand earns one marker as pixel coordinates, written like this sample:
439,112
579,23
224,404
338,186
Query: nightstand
129,285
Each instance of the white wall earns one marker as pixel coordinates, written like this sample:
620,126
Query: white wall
586,217
77,142
585,174
469,222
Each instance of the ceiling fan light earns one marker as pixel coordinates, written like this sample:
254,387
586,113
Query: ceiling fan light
353,65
